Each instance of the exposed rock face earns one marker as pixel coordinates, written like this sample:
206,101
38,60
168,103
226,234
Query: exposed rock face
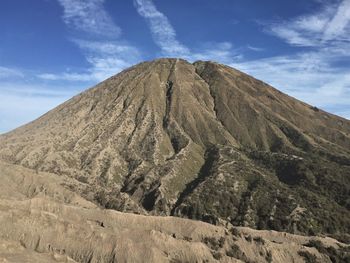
202,141
42,221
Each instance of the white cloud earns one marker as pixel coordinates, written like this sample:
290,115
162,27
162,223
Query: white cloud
10,73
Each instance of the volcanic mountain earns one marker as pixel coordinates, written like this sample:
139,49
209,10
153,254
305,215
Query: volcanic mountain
202,141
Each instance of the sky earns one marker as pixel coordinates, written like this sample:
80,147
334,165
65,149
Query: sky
50,50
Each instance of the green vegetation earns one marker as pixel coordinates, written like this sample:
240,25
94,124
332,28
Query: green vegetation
283,192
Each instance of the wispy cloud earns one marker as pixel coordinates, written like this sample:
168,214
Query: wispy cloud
99,38
329,25
256,49
164,35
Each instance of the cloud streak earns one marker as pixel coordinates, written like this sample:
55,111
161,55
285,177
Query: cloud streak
162,31
102,46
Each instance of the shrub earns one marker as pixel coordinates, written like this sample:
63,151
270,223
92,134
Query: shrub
259,240
308,257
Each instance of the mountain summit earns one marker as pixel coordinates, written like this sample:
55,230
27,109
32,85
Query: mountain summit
202,141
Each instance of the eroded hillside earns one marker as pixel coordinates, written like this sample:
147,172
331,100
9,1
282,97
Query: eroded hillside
42,221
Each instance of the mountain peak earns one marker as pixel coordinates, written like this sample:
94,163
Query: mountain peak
171,61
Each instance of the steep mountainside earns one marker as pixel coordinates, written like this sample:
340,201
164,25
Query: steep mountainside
202,141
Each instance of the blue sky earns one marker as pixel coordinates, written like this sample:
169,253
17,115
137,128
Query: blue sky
52,49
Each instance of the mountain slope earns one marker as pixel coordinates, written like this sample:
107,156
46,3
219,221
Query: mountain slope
201,140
